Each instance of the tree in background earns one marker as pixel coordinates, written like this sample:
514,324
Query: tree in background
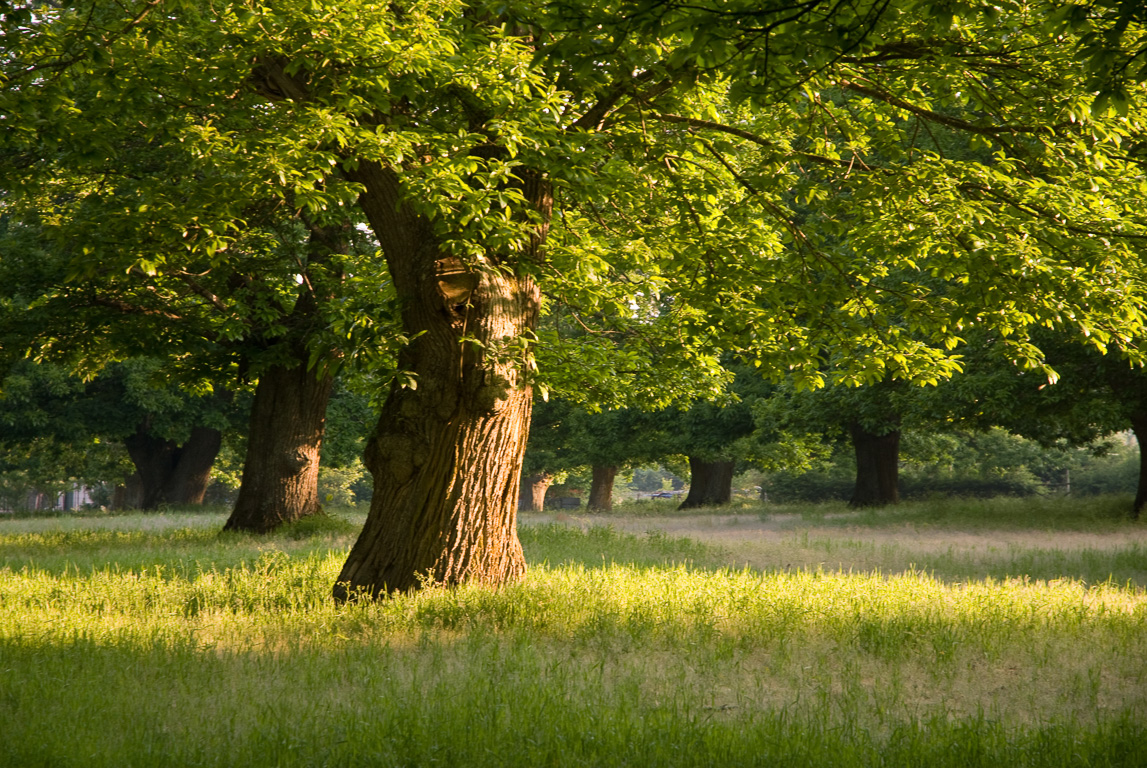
483,146
567,438
973,425
712,435
547,458
1093,396
870,418
288,414
171,437
145,248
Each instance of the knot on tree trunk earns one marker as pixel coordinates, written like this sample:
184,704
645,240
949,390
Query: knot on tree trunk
296,460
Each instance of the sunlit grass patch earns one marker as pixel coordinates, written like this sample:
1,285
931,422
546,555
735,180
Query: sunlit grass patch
182,647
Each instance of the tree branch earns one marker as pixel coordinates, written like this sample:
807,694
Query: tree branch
65,63
694,122
1047,214
948,120
194,285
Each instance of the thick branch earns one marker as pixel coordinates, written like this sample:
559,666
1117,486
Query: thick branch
693,122
936,117
201,291
596,114
1048,214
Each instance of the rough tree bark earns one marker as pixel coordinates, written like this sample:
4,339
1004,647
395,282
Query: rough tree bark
1139,427
877,467
446,457
601,489
288,416
169,473
533,491
711,483
281,470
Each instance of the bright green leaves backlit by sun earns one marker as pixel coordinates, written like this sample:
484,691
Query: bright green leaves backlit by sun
835,192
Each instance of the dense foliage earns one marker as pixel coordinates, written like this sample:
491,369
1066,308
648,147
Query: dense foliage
836,192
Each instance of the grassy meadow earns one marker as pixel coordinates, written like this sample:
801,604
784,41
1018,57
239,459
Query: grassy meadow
1001,633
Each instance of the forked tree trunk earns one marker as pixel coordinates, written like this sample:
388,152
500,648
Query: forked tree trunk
169,473
601,488
1139,427
877,467
192,472
711,483
154,460
446,457
281,470
533,492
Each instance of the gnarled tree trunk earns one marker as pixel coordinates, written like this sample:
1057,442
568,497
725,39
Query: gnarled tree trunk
877,467
192,473
169,473
533,491
281,470
711,483
601,488
446,457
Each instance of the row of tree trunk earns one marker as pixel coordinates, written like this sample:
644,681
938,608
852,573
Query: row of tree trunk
712,485
281,469
877,477
280,475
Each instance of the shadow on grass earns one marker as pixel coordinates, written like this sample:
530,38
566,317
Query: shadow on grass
150,541
491,703
597,545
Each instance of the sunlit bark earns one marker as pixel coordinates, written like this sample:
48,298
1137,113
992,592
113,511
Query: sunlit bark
447,454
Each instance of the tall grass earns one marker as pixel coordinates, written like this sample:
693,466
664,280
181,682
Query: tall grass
180,647
1067,513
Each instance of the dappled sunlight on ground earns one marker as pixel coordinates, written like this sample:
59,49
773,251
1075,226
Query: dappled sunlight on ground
788,541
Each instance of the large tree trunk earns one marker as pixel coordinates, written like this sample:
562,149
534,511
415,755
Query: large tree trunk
601,489
192,473
446,456
129,494
281,470
288,417
1139,427
154,460
169,473
877,467
711,483
533,491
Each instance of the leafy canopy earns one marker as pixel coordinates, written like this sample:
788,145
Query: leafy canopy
770,179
